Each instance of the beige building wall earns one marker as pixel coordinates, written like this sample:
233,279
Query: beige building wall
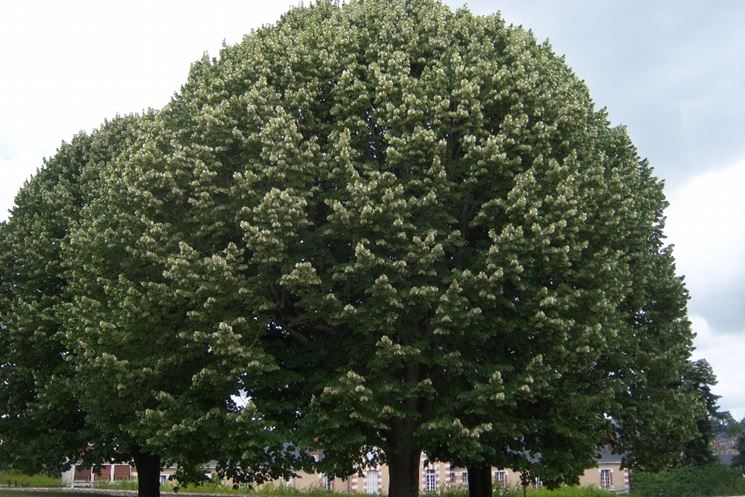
441,476
433,477
354,483
606,475
374,480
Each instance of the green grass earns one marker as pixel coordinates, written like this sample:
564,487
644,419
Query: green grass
518,492
282,491
274,490
277,491
700,481
205,488
17,479
215,488
119,485
568,492
9,492
12,478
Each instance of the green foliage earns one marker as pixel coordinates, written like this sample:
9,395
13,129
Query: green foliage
566,492
698,481
699,451
279,490
13,478
41,423
563,491
739,460
218,488
9,492
171,486
124,485
391,226
726,425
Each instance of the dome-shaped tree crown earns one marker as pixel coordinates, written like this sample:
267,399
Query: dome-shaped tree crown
392,227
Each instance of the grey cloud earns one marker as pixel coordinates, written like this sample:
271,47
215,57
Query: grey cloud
674,74
723,307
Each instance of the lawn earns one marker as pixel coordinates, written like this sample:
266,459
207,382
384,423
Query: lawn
10,492
565,492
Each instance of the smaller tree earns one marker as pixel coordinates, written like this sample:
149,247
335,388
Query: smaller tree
160,334
712,479
42,426
739,460
699,450
726,425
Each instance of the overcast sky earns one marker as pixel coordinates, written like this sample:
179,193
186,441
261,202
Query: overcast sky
672,72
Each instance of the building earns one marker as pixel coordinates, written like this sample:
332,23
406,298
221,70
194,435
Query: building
78,476
608,473
434,477
442,476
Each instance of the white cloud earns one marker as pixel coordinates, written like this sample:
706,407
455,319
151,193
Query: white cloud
14,171
706,222
70,65
724,351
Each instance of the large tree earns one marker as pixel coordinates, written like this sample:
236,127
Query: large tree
104,356
160,331
420,200
42,426
394,228
634,391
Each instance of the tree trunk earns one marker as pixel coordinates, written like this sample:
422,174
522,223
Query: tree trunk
403,467
403,460
148,474
479,480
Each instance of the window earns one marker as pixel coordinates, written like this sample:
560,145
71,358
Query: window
606,480
537,483
464,477
122,472
430,480
371,482
327,482
500,478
